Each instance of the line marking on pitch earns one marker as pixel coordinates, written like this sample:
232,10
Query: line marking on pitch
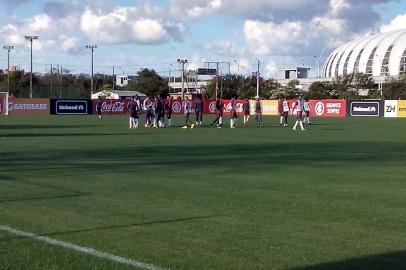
81,249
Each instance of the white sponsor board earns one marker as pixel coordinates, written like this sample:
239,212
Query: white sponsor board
391,108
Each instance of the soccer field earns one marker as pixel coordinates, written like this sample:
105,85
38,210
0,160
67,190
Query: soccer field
78,193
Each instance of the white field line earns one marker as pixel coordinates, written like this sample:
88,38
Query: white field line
81,249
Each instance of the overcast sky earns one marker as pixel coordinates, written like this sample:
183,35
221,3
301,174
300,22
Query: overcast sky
154,33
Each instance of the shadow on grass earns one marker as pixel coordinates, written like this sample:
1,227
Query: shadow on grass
42,126
39,135
70,193
108,158
386,261
154,222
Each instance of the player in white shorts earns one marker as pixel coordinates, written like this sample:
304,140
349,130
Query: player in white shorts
299,113
306,107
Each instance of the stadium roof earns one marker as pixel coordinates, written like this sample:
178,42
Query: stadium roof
382,54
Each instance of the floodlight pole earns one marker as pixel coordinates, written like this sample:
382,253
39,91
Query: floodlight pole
92,47
217,73
114,84
31,38
8,48
259,63
183,62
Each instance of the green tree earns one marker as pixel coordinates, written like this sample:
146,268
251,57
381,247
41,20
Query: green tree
149,83
320,90
395,89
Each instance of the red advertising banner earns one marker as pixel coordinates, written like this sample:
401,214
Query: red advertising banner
177,106
227,107
318,108
112,106
209,106
323,108
328,108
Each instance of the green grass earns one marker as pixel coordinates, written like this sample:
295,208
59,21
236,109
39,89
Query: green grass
333,197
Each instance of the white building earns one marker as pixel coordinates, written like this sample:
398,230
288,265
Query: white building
117,94
122,80
379,55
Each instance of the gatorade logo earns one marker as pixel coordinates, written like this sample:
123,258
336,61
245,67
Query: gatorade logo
319,108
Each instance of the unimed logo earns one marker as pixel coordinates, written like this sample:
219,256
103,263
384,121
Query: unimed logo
71,107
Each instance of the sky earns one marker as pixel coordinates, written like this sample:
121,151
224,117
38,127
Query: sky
131,35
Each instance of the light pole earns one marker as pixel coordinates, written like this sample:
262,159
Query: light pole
318,65
31,38
8,48
183,62
259,63
92,47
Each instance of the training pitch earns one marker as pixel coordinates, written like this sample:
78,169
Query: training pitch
78,193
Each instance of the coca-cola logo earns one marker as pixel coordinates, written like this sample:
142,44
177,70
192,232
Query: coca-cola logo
238,105
116,106
212,107
176,107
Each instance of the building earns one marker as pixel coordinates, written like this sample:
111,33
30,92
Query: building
380,55
298,73
122,80
117,94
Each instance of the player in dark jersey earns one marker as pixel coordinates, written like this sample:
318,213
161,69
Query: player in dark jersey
159,113
99,106
258,112
234,116
168,110
149,112
199,107
135,112
219,113
246,109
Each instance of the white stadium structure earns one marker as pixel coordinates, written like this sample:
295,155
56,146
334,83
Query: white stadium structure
379,55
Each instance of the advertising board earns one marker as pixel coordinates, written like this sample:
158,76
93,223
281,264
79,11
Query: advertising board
391,108
112,106
401,108
328,108
365,108
28,106
70,107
